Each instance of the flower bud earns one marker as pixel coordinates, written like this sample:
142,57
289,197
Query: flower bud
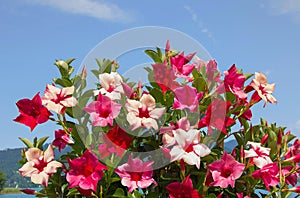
242,154
295,158
233,153
279,138
295,189
264,139
83,73
29,191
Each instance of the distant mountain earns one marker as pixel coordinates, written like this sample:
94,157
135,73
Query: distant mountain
9,159
9,165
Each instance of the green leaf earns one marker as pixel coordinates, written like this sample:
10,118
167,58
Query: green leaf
41,142
27,142
62,82
69,61
154,55
72,192
157,94
247,76
119,193
200,84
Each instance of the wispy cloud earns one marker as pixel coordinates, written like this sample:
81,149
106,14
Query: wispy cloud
97,9
286,7
199,23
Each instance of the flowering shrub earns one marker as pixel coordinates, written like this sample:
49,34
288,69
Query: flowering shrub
165,138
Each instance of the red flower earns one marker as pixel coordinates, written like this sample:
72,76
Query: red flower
62,139
32,112
116,141
183,189
216,116
85,172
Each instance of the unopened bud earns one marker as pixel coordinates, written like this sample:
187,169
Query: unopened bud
264,139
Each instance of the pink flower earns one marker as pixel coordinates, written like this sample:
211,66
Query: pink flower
103,111
259,155
111,85
188,147
263,90
136,174
213,75
32,112
216,116
164,77
241,195
294,149
62,139
85,172
116,140
186,97
183,189
234,82
40,165
180,64
290,177
57,99
225,171
269,174
143,113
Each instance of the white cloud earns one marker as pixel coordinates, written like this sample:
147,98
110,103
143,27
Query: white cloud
286,7
199,23
96,9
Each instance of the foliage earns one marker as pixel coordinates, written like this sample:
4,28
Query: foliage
2,180
165,138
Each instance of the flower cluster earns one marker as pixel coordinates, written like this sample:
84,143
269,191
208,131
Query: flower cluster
167,138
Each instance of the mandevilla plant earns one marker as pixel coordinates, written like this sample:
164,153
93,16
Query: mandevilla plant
165,138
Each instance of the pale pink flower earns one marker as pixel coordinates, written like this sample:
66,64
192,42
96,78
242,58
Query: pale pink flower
186,97
111,85
183,189
85,172
263,90
62,139
188,147
259,155
57,99
143,113
225,171
136,174
103,111
269,174
40,165
167,132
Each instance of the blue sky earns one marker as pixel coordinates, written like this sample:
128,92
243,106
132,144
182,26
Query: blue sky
255,35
